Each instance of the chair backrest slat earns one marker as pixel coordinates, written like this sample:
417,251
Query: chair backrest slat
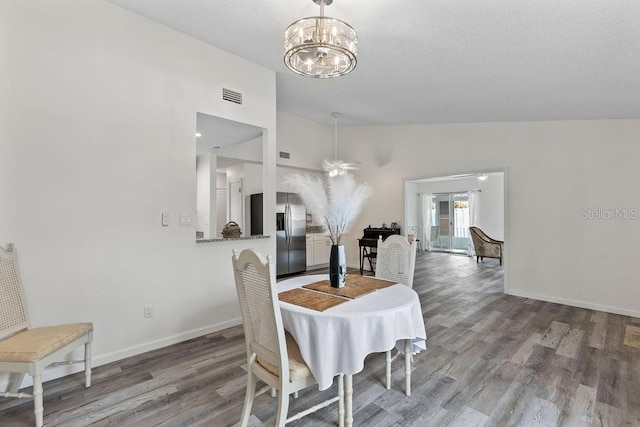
260,308
396,259
261,319
14,316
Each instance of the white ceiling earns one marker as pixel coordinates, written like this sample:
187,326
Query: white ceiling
222,133
439,61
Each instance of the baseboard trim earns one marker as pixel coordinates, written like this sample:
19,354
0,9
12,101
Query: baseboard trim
62,371
164,342
575,303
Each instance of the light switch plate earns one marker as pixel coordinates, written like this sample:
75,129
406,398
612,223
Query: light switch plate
185,220
165,219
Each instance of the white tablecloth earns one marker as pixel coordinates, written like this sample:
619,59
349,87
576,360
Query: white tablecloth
338,339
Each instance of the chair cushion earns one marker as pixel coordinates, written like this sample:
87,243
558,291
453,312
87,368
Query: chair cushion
35,344
298,369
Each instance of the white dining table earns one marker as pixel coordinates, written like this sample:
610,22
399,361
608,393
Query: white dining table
337,340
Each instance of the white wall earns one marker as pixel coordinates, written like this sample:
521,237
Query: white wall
98,112
412,212
252,178
491,206
554,170
206,183
307,141
249,150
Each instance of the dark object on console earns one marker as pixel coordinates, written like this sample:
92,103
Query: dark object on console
369,242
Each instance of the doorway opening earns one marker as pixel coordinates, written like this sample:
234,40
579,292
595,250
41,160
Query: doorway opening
443,208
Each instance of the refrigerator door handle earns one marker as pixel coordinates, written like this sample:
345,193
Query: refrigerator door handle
289,226
286,223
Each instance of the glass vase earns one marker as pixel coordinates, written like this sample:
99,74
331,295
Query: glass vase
337,266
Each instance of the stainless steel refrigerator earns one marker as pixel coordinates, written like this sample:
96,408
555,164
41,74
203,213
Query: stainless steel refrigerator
291,234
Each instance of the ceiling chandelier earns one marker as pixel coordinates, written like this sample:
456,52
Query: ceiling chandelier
319,46
337,167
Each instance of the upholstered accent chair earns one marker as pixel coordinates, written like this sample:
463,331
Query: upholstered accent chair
396,262
273,356
485,246
27,350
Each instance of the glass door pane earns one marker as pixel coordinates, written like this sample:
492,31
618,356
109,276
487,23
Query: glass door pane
441,219
460,222
451,215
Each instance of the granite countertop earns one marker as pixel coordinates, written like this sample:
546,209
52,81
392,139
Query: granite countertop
312,229
228,239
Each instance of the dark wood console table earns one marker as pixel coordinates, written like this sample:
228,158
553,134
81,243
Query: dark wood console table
368,244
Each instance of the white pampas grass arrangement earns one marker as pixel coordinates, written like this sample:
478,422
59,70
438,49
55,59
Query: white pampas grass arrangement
336,200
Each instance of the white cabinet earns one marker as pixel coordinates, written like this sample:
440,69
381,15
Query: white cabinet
318,249
309,249
321,249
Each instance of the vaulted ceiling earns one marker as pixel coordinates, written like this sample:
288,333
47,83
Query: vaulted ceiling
439,61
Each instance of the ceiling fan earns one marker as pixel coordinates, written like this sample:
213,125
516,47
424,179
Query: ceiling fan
337,167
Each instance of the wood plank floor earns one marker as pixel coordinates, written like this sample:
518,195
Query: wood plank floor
492,360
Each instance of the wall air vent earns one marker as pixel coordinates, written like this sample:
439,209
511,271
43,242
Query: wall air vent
232,96
285,155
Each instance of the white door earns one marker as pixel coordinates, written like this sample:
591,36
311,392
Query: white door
236,203
221,212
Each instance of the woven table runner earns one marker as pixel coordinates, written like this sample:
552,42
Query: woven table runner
355,286
309,299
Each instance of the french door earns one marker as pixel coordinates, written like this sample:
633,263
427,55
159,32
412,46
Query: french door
450,212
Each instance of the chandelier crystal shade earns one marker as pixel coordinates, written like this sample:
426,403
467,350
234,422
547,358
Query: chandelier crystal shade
320,47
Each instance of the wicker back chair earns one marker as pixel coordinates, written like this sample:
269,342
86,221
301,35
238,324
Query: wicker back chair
272,355
26,350
397,262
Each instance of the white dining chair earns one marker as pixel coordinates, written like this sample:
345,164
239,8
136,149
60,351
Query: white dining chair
27,350
273,356
396,262
434,237
413,235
